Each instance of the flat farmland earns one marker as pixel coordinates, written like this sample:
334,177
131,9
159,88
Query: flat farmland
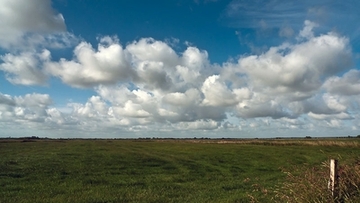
156,170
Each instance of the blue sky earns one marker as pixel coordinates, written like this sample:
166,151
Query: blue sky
179,68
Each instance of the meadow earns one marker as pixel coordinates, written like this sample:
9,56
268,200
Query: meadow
152,170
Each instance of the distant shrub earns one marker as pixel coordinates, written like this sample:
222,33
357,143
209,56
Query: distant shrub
30,139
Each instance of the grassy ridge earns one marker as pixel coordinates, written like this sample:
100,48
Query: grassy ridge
150,171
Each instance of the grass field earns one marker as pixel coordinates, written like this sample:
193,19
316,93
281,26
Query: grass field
155,170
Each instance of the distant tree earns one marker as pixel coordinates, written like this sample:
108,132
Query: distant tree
32,137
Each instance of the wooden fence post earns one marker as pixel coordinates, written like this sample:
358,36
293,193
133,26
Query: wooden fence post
333,182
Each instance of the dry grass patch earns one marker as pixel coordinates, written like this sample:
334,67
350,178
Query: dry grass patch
311,185
339,142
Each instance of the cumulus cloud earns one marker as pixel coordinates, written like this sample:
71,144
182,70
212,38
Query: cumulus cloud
95,108
216,93
21,17
26,68
147,86
153,65
300,67
23,109
91,67
190,97
148,49
149,63
348,84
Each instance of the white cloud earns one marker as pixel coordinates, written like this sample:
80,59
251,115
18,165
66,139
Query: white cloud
261,106
348,84
158,107
195,59
153,75
300,67
6,100
22,17
33,100
216,92
148,49
342,116
106,65
94,108
307,31
150,64
26,68
23,109
147,86
190,97
333,103
55,116
198,125
131,109
188,75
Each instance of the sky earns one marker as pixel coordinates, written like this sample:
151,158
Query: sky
179,68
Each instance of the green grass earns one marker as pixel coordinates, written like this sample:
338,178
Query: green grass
151,171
